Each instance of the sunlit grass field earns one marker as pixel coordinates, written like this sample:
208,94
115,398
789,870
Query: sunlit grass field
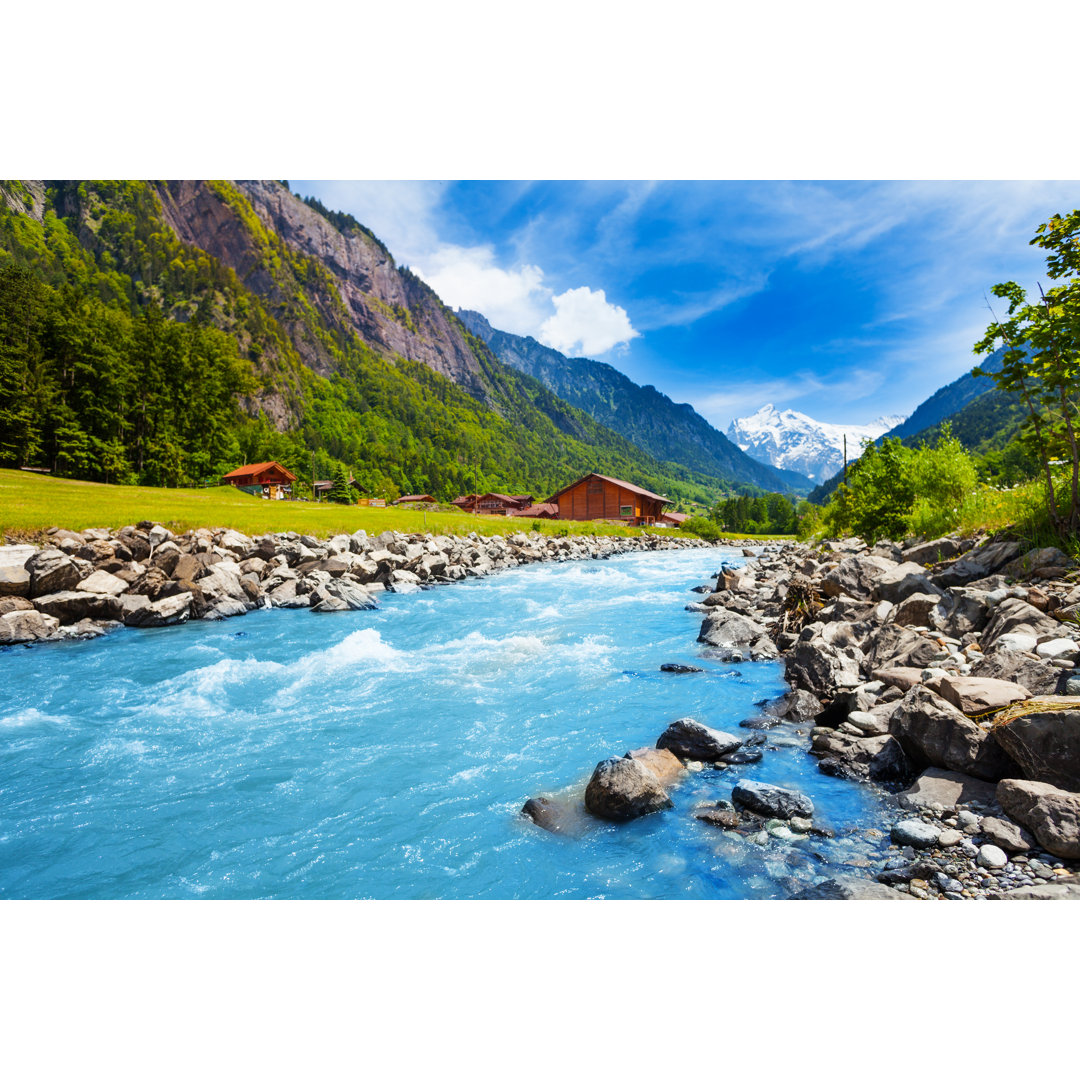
31,503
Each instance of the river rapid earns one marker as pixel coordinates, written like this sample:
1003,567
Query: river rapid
387,753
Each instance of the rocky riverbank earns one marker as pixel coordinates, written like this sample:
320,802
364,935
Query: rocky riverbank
85,584
944,672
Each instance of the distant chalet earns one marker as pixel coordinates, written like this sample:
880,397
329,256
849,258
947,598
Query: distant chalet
268,478
411,499
596,497
493,502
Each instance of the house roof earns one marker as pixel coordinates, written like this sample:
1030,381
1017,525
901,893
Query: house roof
674,516
251,471
416,498
538,509
626,485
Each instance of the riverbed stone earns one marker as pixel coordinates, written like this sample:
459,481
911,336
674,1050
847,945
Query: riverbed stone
621,789
768,800
992,857
1006,834
163,612
914,832
850,888
823,669
14,581
855,576
1038,677
728,629
102,582
948,790
20,626
1015,617
1049,813
688,739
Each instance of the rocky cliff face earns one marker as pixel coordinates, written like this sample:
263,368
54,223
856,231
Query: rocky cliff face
391,309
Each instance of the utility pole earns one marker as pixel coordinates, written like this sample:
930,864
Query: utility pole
314,495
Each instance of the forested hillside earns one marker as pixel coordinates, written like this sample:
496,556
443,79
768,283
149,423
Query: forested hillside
167,332
648,418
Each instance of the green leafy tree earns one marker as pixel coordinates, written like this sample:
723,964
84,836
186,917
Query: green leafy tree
1041,365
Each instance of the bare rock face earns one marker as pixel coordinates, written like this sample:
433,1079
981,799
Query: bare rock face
961,611
851,889
822,669
52,571
1052,815
667,768
903,581
689,740
933,732
164,612
621,789
972,695
1046,746
14,581
977,564
915,609
72,606
897,646
856,576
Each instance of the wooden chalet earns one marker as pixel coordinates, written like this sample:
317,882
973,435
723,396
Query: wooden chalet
493,503
596,497
539,510
411,499
324,487
267,478
670,517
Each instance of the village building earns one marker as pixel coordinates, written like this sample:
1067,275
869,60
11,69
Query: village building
267,478
412,499
493,502
324,487
603,498
539,510
670,517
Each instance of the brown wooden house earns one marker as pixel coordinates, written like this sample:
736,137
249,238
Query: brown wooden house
595,497
493,503
409,500
268,478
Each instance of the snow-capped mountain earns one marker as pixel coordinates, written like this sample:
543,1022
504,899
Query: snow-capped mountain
792,440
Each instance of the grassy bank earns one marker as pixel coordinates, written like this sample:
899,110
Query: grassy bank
31,503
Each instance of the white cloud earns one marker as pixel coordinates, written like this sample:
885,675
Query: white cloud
469,277
585,323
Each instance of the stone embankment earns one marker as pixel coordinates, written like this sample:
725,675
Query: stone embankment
944,672
84,584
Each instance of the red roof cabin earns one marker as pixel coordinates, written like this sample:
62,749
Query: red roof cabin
267,478
670,517
407,499
603,498
539,510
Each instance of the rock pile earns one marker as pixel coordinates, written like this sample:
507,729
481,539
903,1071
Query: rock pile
941,659
83,584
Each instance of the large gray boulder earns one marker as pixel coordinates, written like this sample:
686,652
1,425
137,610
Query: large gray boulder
1045,744
856,576
1038,677
621,789
850,888
51,571
903,581
1015,616
961,611
727,629
689,740
894,646
100,581
163,612
879,758
822,669
934,551
1050,814
916,609
1037,562
340,595
771,801
14,581
977,564
933,732
21,626
72,606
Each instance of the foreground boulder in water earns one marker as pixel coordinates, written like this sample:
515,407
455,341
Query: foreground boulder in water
771,801
621,789
663,764
688,739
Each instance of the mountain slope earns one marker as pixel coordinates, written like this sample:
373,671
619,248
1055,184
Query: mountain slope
648,418
168,331
793,440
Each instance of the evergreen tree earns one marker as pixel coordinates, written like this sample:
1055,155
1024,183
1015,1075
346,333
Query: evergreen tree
340,492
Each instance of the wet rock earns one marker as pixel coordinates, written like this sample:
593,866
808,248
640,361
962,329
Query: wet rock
680,669
664,765
1049,813
933,732
728,629
548,814
621,789
1045,744
742,757
915,833
798,705
879,758
687,739
771,801
721,819
339,595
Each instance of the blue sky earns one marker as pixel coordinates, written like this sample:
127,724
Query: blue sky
843,300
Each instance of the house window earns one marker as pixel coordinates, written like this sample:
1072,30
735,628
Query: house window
626,511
